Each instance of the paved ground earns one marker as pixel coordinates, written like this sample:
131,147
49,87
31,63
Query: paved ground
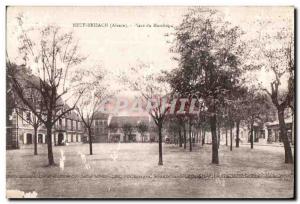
131,170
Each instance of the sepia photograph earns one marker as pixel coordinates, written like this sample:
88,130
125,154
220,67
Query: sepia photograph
150,102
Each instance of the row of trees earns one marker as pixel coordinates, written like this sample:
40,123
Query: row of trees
251,111
128,129
214,62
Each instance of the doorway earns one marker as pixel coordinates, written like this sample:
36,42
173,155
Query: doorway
40,138
60,139
29,138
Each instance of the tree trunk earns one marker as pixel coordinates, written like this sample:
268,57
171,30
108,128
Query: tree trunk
200,135
54,138
219,135
203,137
237,142
160,160
190,135
284,137
215,157
49,145
226,135
231,137
184,136
90,141
35,139
180,138
293,129
251,135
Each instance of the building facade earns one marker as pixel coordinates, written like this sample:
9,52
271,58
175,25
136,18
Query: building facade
117,132
99,128
20,132
68,129
273,131
263,133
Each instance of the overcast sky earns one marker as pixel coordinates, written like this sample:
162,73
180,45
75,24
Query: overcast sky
117,49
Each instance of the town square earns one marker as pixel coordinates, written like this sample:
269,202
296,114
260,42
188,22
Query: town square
175,102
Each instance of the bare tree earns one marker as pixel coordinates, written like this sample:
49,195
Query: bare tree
278,59
127,129
155,93
32,120
89,103
31,94
50,58
142,128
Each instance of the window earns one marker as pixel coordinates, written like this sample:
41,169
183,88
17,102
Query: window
28,116
69,123
40,138
262,134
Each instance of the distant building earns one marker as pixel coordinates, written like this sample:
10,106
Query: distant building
263,133
273,131
116,129
69,129
99,128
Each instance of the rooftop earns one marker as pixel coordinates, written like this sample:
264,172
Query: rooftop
133,120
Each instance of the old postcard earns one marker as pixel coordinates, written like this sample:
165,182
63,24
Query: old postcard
149,102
